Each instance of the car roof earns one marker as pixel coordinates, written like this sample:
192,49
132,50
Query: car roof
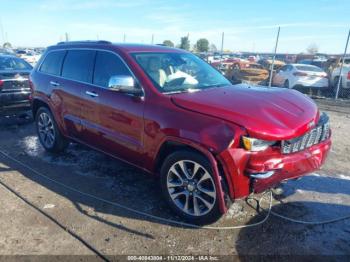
8,55
126,47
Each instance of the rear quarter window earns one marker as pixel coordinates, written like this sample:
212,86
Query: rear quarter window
52,63
78,65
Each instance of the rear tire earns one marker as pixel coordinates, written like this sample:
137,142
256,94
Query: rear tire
49,135
188,187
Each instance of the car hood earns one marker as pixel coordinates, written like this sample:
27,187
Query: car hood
266,113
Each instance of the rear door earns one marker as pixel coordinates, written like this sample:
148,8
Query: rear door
77,73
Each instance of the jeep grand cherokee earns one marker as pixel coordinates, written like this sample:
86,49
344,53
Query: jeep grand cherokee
171,114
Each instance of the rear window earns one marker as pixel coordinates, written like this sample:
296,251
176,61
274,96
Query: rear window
52,63
78,65
309,68
13,63
107,65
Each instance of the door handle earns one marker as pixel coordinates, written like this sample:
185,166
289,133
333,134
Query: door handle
53,83
92,94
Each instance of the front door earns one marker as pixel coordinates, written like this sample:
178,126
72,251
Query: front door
119,129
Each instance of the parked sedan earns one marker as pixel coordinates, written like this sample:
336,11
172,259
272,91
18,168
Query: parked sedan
301,75
251,72
14,83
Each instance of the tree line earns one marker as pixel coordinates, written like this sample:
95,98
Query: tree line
202,44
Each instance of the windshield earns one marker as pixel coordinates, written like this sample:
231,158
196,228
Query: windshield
13,63
179,72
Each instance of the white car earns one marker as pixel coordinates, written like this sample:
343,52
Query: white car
345,82
31,57
300,75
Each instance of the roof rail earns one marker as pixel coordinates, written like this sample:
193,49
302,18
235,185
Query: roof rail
85,42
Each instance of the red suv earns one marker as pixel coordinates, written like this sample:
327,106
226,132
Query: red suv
171,114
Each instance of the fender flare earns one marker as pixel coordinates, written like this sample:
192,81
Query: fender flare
213,162
47,103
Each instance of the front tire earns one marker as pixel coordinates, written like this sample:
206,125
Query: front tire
49,135
189,188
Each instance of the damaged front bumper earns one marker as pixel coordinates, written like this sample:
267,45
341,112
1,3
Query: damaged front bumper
254,172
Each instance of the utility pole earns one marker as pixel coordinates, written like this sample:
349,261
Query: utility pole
222,47
222,42
67,37
341,67
124,38
274,56
2,31
152,39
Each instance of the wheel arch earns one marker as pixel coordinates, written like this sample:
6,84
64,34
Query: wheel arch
170,145
39,102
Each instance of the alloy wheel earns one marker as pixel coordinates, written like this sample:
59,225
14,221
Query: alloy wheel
46,130
191,188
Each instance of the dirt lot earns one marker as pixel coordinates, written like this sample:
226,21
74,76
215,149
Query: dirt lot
39,216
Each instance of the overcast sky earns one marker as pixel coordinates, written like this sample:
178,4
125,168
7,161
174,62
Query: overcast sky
248,25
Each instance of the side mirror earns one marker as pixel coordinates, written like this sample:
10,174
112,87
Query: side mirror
124,84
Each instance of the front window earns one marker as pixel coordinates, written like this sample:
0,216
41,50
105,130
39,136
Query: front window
179,72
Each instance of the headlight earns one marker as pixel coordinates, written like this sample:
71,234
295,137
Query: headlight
253,144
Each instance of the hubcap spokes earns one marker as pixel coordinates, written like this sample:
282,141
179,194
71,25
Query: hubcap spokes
191,187
46,130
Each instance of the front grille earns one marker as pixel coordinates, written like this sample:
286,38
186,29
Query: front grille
318,134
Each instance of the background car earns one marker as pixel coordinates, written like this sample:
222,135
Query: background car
344,89
14,83
299,75
251,72
316,62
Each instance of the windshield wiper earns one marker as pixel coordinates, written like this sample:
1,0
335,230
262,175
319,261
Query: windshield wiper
216,85
189,90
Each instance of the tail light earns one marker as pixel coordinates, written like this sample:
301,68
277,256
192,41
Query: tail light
1,83
348,77
299,74
31,86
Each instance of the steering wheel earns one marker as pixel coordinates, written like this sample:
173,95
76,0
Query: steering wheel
174,82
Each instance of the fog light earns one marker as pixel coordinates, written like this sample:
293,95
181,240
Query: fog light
262,175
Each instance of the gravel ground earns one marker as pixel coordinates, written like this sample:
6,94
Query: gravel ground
35,209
